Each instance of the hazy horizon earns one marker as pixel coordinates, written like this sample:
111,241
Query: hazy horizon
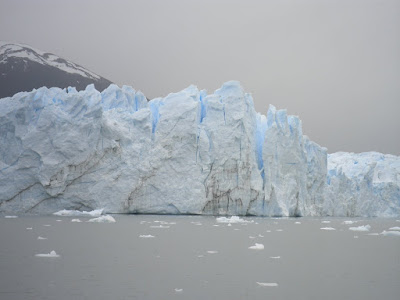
335,64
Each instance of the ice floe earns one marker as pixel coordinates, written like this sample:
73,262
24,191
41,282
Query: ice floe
76,220
29,228
257,247
233,219
146,236
78,213
159,226
325,222
361,228
394,228
275,257
327,228
297,222
51,254
103,219
179,290
212,252
267,284
349,222
10,217
41,238
390,233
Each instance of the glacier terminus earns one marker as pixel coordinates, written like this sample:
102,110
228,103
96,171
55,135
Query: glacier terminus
188,153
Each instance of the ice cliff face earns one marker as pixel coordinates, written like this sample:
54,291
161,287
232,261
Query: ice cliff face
187,153
365,184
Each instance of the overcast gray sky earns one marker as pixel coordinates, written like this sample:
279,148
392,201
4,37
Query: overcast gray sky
334,63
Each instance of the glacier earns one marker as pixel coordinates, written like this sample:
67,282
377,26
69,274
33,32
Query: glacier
187,153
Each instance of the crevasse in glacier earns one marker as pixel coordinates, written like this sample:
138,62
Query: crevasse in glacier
187,153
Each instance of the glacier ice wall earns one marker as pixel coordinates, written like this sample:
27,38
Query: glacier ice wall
187,153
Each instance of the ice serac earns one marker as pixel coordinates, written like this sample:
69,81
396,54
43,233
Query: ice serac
187,153
365,184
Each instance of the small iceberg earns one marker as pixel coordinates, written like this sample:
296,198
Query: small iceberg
77,213
275,257
327,228
390,233
233,219
29,228
269,284
257,247
41,238
349,222
212,252
51,254
297,222
76,220
103,219
360,228
146,236
394,228
179,290
325,222
10,217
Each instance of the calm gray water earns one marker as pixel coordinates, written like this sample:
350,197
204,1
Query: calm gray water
111,261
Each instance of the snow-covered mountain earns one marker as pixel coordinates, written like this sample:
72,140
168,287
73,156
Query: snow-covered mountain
187,153
23,68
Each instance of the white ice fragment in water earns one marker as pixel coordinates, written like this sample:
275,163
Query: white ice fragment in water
47,225
76,220
179,290
41,238
390,233
327,228
252,237
10,217
260,235
103,219
297,222
394,228
257,247
212,252
236,229
269,284
77,213
216,225
29,228
349,222
356,236
51,254
268,231
373,233
200,255
275,257
325,222
229,224
233,219
279,230
196,223
58,220
360,228
159,226
146,236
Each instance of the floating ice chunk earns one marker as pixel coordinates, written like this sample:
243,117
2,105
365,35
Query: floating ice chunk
196,223
233,219
257,247
212,252
390,233
269,284
356,236
327,228
59,220
41,238
216,225
10,217
252,237
268,231
51,254
394,228
29,228
360,228
159,226
77,213
236,229
260,235
200,255
76,220
373,233
46,225
275,257
325,222
103,219
229,224
349,222
279,230
179,290
297,222
148,236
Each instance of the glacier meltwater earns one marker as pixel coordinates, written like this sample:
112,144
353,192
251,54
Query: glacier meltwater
187,153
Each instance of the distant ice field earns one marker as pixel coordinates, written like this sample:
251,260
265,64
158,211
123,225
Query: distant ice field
188,257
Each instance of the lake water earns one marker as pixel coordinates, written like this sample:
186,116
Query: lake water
195,259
